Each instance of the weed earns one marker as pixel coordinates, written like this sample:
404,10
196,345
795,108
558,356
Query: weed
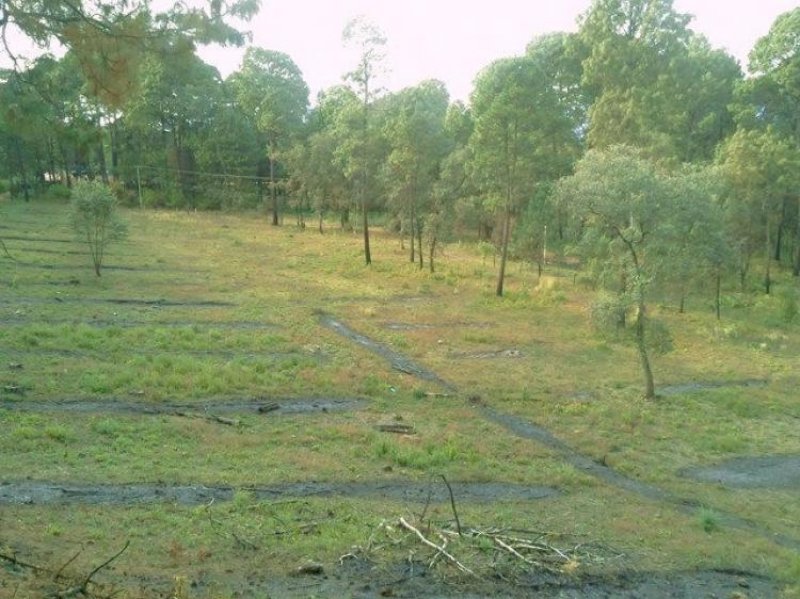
708,519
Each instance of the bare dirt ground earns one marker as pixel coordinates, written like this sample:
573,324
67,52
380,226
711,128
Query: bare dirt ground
39,493
763,472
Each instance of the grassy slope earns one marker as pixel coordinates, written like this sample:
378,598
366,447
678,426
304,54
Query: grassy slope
283,277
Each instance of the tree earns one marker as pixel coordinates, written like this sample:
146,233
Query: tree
761,168
629,72
524,136
370,42
415,131
109,37
771,98
95,219
270,89
623,204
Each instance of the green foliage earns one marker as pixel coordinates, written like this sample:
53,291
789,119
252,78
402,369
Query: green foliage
95,220
708,520
789,305
57,191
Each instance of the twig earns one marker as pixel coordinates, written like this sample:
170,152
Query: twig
452,503
433,545
5,251
13,560
513,551
67,563
104,564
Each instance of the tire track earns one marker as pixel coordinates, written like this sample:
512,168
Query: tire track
528,430
47,493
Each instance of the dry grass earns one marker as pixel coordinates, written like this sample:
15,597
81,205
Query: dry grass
73,343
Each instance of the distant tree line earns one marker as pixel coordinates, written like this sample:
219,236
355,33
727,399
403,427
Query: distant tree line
632,140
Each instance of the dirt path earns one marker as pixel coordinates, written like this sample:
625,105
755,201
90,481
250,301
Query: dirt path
397,360
770,472
244,325
262,405
44,493
154,303
529,430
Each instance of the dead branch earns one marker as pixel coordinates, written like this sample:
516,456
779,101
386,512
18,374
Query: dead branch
396,427
5,251
453,504
513,551
12,559
57,575
433,545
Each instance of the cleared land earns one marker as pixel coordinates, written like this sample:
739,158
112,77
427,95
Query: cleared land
243,402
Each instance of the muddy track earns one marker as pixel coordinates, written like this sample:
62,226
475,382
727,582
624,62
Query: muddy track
397,360
244,325
118,267
258,405
531,431
528,430
763,472
409,326
43,239
152,303
45,493
695,387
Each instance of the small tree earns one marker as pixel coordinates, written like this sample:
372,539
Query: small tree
95,219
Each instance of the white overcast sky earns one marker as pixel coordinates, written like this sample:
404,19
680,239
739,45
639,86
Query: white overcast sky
452,40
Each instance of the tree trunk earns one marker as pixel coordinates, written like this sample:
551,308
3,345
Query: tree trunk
272,191
320,222
431,253
796,265
767,277
419,245
367,255
641,346
504,257
718,285
412,256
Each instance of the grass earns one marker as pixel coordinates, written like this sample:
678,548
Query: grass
68,337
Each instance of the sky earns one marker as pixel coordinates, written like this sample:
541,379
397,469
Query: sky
452,40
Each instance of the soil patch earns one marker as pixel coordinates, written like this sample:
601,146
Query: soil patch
105,267
28,238
360,579
528,430
694,387
230,406
40,493
487,355
409,326
397,360
152,303
762,472
125,324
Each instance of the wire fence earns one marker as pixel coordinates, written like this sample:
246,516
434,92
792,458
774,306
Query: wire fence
163,187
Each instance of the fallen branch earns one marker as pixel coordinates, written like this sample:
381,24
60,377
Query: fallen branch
453,504
5,251
82,588
12,559
396,427
433,545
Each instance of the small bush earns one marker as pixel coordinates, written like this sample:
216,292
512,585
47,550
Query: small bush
95,220
789,306
58,191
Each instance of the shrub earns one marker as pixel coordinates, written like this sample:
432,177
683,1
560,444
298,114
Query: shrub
58,191
95,219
